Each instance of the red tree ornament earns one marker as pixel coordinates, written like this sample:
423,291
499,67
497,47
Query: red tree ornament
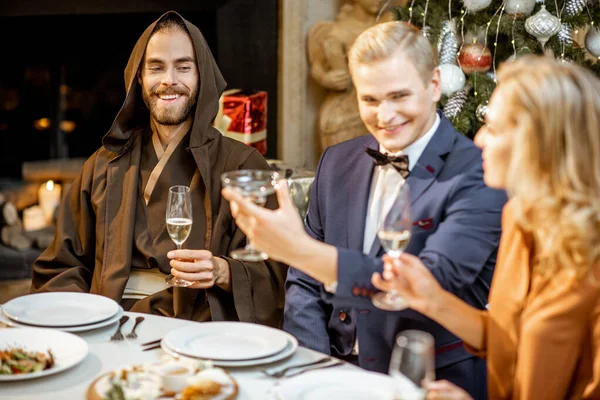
475,57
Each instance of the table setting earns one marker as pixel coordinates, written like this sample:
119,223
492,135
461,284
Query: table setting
96,346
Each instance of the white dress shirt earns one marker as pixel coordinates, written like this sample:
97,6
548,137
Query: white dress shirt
387,181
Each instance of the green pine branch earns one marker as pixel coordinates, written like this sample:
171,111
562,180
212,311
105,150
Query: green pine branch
512,39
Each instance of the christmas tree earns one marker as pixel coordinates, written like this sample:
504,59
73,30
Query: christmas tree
474,36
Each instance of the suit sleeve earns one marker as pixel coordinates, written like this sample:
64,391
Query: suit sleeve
257,287
463,245
67,265
306,314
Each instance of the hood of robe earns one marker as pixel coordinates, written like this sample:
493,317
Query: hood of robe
134,114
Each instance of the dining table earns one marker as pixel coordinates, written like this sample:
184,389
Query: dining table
105,355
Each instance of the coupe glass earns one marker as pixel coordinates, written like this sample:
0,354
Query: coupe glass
179,223
412,366
394,235
255,185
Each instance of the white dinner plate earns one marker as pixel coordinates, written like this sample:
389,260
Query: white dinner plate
328,384
60,309
68,349
80,328
287,351
226,341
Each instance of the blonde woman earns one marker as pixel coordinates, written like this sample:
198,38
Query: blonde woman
541,334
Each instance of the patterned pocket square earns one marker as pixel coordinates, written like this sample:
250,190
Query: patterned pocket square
424,223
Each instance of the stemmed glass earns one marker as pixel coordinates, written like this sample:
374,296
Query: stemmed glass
179,223
299,188
412,366
255,185
394,235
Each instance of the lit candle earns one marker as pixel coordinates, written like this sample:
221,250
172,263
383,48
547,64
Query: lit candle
49,198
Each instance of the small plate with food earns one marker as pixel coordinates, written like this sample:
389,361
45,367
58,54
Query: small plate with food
166,379
28,353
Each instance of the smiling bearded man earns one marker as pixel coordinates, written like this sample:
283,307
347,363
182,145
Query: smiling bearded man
111,234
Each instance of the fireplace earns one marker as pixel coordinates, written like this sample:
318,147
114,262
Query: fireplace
62,75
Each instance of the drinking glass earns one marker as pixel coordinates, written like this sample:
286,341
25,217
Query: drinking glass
299,187
255,185
179,223
394,234
412,366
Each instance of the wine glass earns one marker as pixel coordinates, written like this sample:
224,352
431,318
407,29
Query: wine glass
412,366
394,234
299,188
179,223
255,185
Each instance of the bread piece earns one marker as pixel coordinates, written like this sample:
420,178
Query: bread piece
211,384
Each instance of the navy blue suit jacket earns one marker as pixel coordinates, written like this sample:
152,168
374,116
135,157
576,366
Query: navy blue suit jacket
456,231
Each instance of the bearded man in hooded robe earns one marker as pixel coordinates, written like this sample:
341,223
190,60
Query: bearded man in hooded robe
111,236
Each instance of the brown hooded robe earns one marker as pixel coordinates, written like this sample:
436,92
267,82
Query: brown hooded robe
92,249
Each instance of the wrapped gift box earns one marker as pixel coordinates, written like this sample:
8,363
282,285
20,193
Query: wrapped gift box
243,116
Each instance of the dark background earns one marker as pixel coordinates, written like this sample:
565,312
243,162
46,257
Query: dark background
65,61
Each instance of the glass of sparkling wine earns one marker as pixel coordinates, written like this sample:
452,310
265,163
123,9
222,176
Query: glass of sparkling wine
255,185
179,223
412,366
394,234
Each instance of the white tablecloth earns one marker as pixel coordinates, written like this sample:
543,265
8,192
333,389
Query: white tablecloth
105,356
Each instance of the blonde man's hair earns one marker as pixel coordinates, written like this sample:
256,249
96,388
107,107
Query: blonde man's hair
382,40
554,170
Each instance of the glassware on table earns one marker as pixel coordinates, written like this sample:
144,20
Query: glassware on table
255,185
179,223
299,184
412,366
394,234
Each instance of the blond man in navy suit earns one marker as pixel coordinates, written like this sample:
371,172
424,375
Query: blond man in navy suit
456,217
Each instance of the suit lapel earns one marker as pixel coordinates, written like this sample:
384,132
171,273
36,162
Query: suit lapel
431,162
428,167
358,195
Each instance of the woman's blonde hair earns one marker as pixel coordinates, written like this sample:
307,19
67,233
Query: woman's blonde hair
554,170
382,40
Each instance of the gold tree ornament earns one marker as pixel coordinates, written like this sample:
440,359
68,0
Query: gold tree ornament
542,25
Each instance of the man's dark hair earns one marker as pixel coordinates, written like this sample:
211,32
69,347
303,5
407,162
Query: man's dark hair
169,22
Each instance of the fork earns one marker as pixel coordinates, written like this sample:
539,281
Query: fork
282,372
118,335
132,334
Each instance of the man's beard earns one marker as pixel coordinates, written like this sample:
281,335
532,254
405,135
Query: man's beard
166,116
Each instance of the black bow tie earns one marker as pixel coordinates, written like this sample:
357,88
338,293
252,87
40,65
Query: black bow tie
400,163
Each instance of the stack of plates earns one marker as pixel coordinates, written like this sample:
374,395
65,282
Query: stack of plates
230,344
70,312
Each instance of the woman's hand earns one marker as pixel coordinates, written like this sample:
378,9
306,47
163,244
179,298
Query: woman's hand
444,390
411,280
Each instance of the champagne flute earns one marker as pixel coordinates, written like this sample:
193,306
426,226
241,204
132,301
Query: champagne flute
255,185
394,234
412,366
179,223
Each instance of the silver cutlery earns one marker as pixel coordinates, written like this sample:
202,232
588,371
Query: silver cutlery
132,334
152,345
333,364
280,373
118,335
